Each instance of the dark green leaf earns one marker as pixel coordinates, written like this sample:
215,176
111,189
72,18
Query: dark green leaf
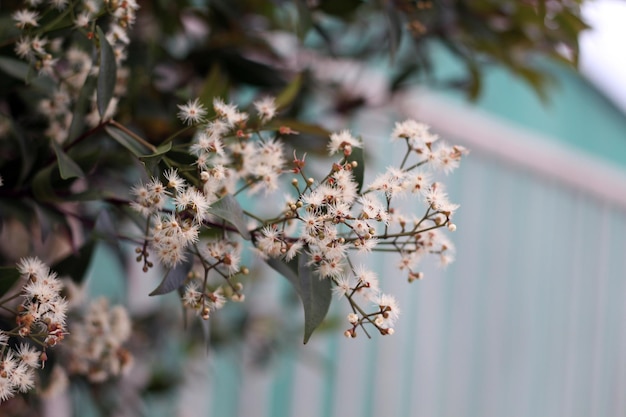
8,277
174,278
358,156
395,28
107,75
21,71
75,265
42,184
228,208
215,85
138,149
80,108
342,8
289,94
315,293
152,160
67,167
305,20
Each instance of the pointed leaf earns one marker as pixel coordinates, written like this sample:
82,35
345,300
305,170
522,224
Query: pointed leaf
42,184
67,167
229,209
174,278
80,108
305,20
128,142
8,277
152,160
215,85
21,71
395,28
289,94
107,75
76,264
315,293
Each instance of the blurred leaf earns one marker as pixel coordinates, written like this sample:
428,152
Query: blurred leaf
305,20
289,93
315,293
8,277
152,160
67,167
80,109
13,208
42,184
136,148
394,22
107,74
21,71
215,85
75,265
174,278
228,208
342,8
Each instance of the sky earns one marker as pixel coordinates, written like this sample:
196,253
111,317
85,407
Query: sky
603,53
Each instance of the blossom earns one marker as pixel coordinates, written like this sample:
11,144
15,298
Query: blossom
343,141
415,132
25,17
266,108
192,112
96,342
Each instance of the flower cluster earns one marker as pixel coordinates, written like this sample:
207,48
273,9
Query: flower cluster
40,317
96,343
324,221
70,67
17,368
42,313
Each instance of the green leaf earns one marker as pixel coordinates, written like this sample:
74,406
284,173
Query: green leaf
152,160
315,293
289,94
229,209
80,108
42,184
215,85
67,167
8,277
305,20
20,70
136,148
76,265
174,278
358,156
395,28
107,75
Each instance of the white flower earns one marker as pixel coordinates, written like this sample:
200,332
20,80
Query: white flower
23,47
82,19
32,266
266,108
192,113
343,141
25,18
416,133
174,181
